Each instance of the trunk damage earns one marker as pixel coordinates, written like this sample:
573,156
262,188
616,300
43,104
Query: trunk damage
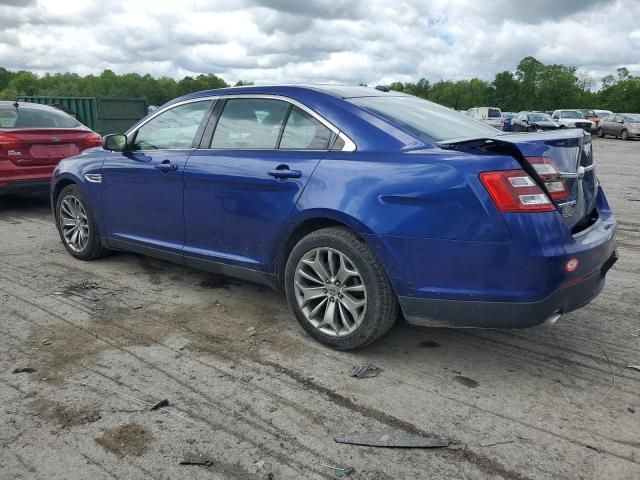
567,152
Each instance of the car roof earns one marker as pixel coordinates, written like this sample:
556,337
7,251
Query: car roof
9,103
338,91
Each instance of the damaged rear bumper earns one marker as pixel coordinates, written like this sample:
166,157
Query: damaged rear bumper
481,314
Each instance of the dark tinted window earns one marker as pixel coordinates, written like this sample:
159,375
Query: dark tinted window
172,129
26,116
425,120
303,132
250,123
494,113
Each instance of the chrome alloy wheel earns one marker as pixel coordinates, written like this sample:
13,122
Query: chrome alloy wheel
74,223
330,291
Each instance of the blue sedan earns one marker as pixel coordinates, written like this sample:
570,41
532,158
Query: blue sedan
361,204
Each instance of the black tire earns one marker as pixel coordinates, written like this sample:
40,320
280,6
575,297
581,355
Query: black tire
93,248
600,133
624,135
382,308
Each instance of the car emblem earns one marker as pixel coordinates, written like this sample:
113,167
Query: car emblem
55,139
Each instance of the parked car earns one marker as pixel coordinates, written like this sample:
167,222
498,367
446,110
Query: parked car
572,119
590,114
508,120
602,113
620,125
533,122
33,139
358,203
490,115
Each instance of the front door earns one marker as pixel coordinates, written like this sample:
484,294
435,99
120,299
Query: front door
143,187
240,190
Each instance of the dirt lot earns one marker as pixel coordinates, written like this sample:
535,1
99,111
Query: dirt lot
253,395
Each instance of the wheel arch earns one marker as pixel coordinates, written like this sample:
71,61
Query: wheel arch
308,223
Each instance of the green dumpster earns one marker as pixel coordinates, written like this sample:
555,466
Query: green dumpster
104,115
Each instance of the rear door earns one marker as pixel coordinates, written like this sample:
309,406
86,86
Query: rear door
258,155
143,187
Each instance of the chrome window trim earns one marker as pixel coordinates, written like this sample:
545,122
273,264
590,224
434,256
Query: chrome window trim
349,145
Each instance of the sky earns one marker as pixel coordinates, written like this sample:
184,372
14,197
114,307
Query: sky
318,41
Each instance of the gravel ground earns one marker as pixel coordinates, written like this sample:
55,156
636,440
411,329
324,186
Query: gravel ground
255,397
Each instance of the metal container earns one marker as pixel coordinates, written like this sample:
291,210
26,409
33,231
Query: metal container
104,115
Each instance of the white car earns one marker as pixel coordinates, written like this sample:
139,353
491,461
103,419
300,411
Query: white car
572,119
490,115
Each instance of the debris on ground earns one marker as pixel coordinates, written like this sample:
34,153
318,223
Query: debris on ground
365,371
613,376
635,367
392,438
196,461
339,471
631,409
24,370
160,404
246,377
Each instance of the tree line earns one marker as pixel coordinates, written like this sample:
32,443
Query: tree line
533,86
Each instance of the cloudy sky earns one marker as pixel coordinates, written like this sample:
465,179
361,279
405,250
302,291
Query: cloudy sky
341,41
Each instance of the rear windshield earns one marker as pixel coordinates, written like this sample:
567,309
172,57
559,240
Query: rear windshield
494,113
588,113
35,117
424,120
632,118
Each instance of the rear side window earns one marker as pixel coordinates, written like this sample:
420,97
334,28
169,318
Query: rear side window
173,129
250,123
25,116
303,132
424,120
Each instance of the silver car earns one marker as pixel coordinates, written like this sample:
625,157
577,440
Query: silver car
620,125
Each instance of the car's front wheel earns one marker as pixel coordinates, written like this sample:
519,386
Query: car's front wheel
624,135
600,132
338,289
77,225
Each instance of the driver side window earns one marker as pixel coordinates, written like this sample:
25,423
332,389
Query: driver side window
172,129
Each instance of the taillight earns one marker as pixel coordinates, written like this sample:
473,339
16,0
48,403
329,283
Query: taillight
550,175
8,142
515,191
91,140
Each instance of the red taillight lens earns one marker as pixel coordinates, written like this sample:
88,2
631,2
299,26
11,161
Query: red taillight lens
550,175
515,191
92,140
8,142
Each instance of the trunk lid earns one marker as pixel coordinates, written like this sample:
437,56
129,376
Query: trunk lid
26,147
569,150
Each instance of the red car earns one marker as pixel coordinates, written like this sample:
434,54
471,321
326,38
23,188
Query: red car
33,139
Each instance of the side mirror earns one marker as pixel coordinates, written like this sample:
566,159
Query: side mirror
116,142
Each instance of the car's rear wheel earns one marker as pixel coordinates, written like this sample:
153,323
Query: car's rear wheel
600,132
624,135
77,226
338,289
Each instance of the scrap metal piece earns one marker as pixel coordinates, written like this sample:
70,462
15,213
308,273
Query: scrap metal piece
160,404
24,370
392,438
365,371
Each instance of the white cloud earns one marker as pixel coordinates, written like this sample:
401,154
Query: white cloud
317,40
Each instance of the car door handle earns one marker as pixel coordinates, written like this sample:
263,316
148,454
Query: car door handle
283,172
166,166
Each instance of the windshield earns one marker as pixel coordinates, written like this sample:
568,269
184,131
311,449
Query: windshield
570,114
494,113
425,120
25,116
632,117
539,117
